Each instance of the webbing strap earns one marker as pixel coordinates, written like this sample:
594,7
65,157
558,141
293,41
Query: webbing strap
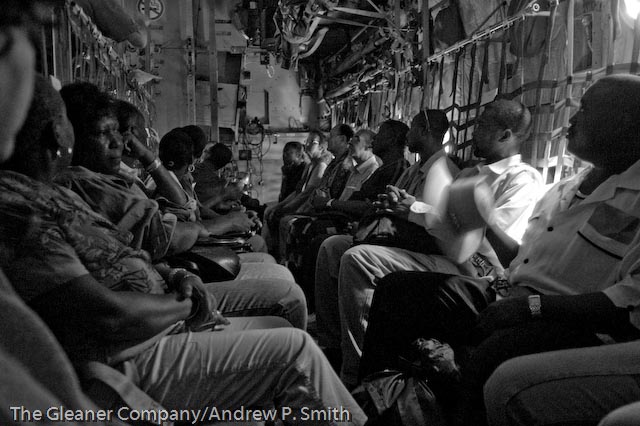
130,394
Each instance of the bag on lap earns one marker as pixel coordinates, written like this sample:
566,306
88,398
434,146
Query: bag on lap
211,264
387,229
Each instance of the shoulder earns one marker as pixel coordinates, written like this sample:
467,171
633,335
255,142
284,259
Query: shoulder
523,172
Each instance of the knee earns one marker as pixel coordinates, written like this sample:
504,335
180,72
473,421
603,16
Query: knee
353,258
628,415
502,389
295,304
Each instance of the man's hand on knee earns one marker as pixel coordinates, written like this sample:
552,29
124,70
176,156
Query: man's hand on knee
501,314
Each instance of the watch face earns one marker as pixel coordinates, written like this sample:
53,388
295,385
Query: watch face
156,8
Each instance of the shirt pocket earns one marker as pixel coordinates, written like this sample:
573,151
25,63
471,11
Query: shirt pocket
610,230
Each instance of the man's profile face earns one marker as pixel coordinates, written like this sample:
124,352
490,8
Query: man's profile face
313,147
359,144
592,117
337,142
383,141
417,133
486,134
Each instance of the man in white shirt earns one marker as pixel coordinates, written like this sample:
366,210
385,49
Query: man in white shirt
498,136
573,282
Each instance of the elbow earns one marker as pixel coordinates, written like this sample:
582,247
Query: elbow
115,325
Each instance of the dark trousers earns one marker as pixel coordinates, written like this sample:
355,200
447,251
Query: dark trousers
408,305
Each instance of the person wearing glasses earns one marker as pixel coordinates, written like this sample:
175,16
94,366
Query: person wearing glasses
315,146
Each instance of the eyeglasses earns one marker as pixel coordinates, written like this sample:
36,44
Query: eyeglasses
63,152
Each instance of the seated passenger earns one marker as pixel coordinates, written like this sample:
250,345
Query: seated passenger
105,302
316,149
499,133
210,181
177,156
99,142
573,281
36,374
339,216
425,139
331,185
388,145
177,152
361,164
84,98
292,168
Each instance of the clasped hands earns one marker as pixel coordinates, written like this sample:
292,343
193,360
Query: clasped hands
396,199
204,313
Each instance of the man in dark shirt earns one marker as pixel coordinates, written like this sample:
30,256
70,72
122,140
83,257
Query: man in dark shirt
293,168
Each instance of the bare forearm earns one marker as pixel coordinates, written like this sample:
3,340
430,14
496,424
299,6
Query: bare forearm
505,247
87,306
219,225
167,187
154,313
185,236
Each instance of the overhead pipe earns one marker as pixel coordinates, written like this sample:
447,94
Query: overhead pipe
352,83
353,59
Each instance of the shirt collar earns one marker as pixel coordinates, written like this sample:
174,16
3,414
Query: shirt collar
629,179
427,164
499,167
365,165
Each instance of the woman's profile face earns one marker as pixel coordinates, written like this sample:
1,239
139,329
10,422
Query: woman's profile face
103,146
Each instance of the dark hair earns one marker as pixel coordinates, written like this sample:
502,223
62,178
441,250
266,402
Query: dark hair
438,122
29,14
345,130
176,147
400,131
322,138
220,155
36,133
293,146
511,114
433,120
126,110
86,105
198,137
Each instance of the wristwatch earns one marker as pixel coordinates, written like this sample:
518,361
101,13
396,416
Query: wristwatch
535,307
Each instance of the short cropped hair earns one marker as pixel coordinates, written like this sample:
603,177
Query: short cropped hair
321,137
400,131
293,146
198,136
176,146
220,155
345,130
511,114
